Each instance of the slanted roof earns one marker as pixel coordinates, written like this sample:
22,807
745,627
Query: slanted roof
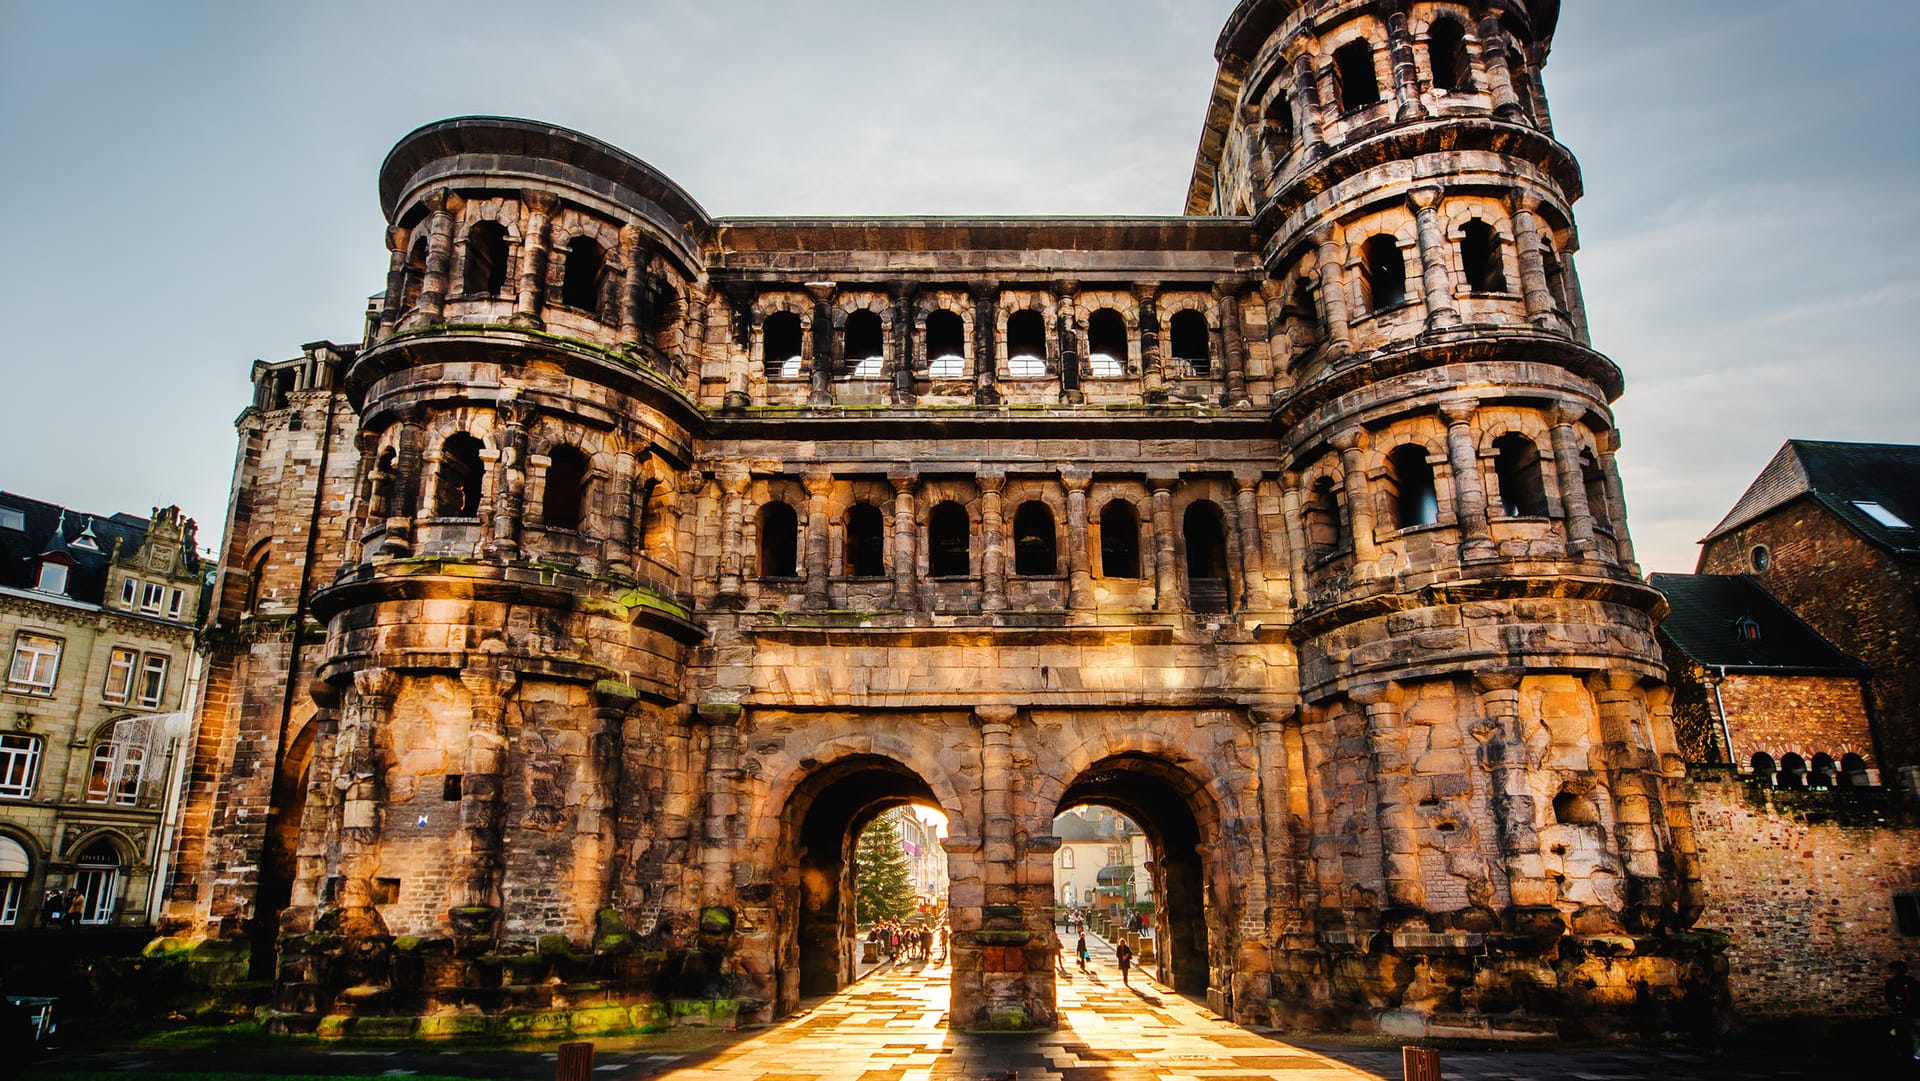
1706,623
20,549
1841,477
1074,827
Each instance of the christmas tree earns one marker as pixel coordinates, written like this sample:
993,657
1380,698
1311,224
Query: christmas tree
882,888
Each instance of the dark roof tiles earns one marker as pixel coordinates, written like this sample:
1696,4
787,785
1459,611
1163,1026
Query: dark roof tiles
1706,623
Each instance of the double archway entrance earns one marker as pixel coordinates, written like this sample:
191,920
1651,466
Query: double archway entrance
1004,906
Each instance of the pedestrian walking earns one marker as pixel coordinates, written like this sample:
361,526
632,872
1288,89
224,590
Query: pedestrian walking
1080,951
1902,995
76,908
1123,954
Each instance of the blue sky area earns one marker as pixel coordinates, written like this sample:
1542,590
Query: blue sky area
191,186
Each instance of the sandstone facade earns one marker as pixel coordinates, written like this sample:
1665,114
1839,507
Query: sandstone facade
638,558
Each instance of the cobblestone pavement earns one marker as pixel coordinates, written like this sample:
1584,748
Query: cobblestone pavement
892,1026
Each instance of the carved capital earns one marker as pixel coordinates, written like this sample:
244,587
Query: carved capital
1492,680
716,713
986,715
1375,695
904,478
375,684
818,481
1566,413
1162,481
991,479
1425,198
1458,410
1246,478
443,201
1076,478
544,203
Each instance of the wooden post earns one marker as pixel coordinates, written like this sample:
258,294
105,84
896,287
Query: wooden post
576,1063
1420,1063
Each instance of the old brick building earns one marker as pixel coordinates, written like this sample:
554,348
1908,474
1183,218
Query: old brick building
1756,688
574,623
1829,529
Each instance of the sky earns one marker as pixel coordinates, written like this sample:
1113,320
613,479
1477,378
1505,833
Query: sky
191,186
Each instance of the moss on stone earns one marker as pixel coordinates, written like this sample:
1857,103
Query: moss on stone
452,1026
599,1020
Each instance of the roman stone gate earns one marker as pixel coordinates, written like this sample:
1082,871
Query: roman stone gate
573,623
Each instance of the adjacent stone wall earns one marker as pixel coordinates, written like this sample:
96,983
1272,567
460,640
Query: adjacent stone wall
1803,883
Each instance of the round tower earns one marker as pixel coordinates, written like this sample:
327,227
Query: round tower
1467,601
507,637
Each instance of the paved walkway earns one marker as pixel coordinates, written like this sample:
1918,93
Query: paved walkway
892,1026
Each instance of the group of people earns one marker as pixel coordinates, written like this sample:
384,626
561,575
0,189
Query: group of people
63,908
1122,953
896,940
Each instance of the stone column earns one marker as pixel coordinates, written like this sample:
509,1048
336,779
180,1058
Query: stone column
1503,750
1573,488
1067,342
1352,444
986,364
1296,539
632,285
819,365
620,543
488,680
1576,300
1333,291
906,588
1282,873
1617,503
722,720
819,486
406,488
900,375
1633,782
1233,348
1326,82
393,304
444,205
1542,310
1536,59
993,541
1435,278
359,766
1469,492
1169,594
1406,81
596,864
1153,375
1077,480
733,498
996,799
1312,119
509,479
1493,57
535,238
1253,564
1391,773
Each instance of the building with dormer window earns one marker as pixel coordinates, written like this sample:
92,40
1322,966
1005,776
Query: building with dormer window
98,616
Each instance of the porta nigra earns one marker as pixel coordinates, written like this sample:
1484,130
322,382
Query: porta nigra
570,628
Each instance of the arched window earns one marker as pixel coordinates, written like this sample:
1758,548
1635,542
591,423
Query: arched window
1325,532
1035,547
414,276
781,344
119,762
1762,763
1119,541
1353,69
1825,774
1278,118
15,866
456,492
946,345
585,270
865,349
866,541
1793,771
486,272
949,533
1206,544
1107,344
1188,331
1522,74
1304,307
1411,475
1447,55
1480,256
1595,482
1026,344
564,504
1851,765
97,877
1523,494
779,541
1383,270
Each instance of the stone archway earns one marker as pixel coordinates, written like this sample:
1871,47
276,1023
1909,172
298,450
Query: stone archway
821,822
1191,920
